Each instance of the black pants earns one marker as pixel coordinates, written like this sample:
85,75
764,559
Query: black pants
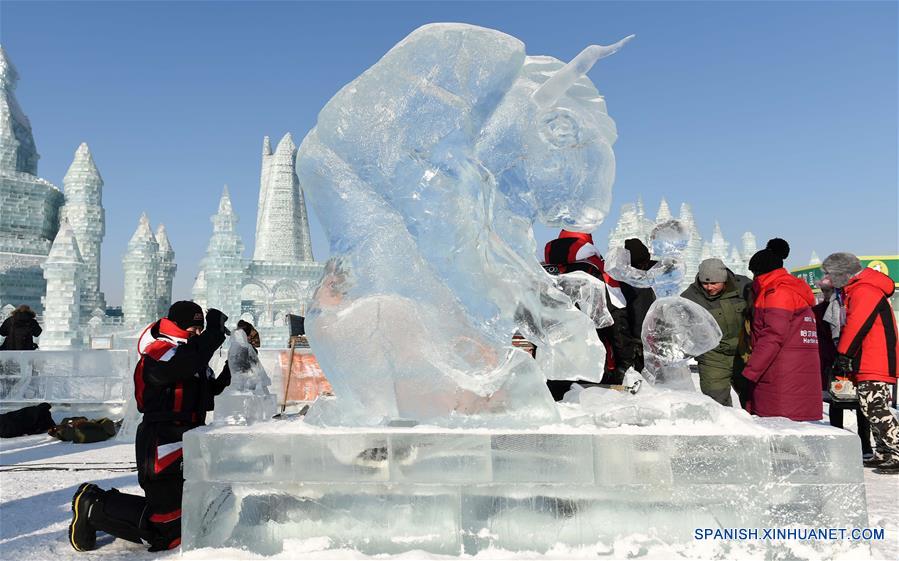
154,518
864,428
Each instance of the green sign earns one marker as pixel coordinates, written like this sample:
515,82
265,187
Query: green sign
886,264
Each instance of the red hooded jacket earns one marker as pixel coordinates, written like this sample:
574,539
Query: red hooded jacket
869,335
784,365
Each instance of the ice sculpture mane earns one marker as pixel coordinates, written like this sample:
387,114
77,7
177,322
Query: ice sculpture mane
428,172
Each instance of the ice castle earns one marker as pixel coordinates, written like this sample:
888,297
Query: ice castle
50,240
30,204
633,223
282,272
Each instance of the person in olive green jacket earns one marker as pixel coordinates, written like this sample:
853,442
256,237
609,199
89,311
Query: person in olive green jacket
720,291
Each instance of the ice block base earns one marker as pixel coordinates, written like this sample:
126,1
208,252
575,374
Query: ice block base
444,491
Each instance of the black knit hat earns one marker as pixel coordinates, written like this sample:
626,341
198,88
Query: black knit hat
765,261
186,314
779,246
638,251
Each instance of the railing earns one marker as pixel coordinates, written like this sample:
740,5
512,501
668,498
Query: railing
71,377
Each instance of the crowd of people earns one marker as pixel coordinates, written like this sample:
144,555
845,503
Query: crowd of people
780,352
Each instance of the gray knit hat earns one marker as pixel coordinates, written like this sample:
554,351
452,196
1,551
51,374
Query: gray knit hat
712,270
841,267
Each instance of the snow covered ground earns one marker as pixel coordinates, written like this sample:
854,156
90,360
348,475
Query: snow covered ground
38,475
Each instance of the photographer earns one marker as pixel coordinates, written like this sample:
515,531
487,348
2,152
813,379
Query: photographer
174,388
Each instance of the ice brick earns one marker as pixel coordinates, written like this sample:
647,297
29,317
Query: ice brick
535,457
446,457
369,518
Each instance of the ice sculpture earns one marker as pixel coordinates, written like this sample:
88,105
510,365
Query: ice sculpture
674,330
247,400
667,241
428,172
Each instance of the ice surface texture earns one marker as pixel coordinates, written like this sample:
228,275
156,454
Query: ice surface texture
248,399
667,241
674,330
452,491
428,172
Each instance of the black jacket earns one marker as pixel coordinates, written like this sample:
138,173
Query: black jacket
20,329
172,379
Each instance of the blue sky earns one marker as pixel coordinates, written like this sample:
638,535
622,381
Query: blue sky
779,118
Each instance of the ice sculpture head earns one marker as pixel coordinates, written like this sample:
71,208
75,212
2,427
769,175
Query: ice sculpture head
549,143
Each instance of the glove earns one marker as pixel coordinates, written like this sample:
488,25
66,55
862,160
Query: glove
215,321
842,366
224,378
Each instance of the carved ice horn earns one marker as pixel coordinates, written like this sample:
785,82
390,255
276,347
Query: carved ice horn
553,88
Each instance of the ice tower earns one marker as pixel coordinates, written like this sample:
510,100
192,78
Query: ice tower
282,226
84,212
165,272
141,263
694,247
223,264
30,217
64,272
279,278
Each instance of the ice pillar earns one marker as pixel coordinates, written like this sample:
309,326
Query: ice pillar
223,265
141,266
64,273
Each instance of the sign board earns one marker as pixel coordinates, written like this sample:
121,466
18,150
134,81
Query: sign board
886,264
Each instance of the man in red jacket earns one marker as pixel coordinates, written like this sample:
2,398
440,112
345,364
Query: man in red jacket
867,351
784,368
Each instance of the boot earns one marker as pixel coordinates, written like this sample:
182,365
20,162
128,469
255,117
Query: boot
888,467
82,535
874,461
121,515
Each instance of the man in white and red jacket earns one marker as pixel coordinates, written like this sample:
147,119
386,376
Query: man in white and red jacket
867,351
174,388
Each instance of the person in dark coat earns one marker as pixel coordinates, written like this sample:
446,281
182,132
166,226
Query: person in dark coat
868,350
627,341
174,388
784,367
829,309
720,291
20,329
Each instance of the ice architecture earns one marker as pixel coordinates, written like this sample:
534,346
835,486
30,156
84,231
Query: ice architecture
411,323
428,171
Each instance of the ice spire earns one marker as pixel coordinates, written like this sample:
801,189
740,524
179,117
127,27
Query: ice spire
198,291
282,225
664,212
17,150
263,180
223,266
165,272
64,273
719,245
83,209
693,252
814,259
749,246
141,263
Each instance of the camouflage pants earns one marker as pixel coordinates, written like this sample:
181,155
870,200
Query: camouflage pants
874,400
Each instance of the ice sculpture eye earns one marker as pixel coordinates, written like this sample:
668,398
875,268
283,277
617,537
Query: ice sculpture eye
559,128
